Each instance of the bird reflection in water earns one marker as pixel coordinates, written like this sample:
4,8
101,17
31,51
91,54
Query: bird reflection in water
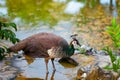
46,78
30,60
52,76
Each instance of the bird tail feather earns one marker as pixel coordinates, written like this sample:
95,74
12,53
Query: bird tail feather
17,47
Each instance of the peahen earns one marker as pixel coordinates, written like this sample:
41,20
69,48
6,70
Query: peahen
45,45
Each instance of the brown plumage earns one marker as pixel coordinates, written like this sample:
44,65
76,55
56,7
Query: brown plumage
45,45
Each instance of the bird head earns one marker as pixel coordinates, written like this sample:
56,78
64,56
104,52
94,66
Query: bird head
74,40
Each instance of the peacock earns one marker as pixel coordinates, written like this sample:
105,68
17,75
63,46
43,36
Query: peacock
45,45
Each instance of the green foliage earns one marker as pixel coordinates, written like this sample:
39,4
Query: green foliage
2,55
46,11
115,61
7,34
3,49
81,50
114,32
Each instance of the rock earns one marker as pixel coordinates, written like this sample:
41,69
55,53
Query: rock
100,74
102,60
81,74
102,52
84,60
2,63
17,60
89,70
96,73
85,49
7,72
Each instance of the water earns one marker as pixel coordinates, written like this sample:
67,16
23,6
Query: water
37,69
63,28
73,7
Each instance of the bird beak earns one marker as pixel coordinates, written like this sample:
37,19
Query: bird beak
79,44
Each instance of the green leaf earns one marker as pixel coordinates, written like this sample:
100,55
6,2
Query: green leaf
5,24
117,28
118,62
114,22
6,33
108,67
2,50
118,44
13,25
17,40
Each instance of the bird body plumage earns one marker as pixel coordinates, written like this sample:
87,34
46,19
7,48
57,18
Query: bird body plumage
44,45
41,45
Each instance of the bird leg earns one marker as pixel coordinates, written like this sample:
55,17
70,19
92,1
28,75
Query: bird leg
53,64
52,77
46,62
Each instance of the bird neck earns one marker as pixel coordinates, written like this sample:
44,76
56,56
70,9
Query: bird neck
71,49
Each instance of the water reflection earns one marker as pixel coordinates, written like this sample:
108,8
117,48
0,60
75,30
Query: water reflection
45,11
3,2
3,11
60,1
46,78
52,76
63,28
107,2
50,12
73,7
36,70
111,6
24,78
